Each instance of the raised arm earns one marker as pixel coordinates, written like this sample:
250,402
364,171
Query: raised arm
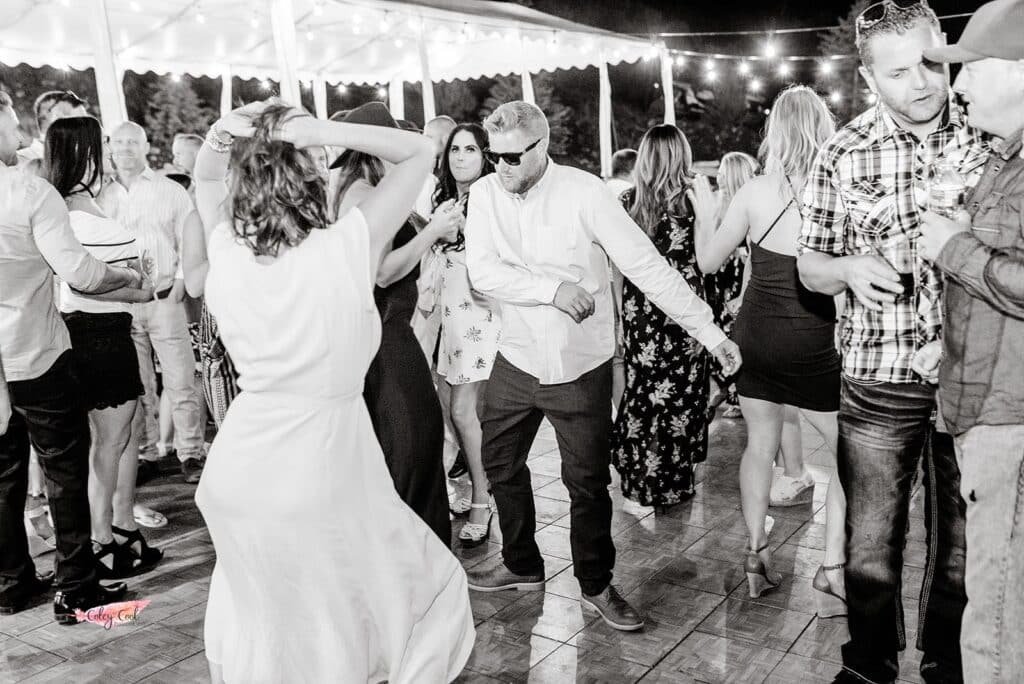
387,206
194,263
715,242
399,262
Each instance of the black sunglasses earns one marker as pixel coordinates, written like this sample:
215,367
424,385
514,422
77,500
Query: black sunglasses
510,158
877,12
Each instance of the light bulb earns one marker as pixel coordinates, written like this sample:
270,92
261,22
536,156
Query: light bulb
826,67
744,68
835,97
680,60
709,64
754,85
382,92
769,50
711,76
784,70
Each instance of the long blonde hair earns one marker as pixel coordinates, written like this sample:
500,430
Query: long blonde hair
663,173
799,123
735,169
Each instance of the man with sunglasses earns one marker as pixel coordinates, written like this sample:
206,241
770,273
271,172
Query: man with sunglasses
48,107
860,236
538,239
981,382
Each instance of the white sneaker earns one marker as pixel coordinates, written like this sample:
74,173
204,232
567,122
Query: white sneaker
792,491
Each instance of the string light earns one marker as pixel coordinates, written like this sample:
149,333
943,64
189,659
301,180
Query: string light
784,70
382,92
835,97
265,84
342,89
710,76
769,50
709,64
255,21
826,67
754,85
318,8
744,68
357,18
399,42
176,78
680,60
385,23
872,98
309,35
200,18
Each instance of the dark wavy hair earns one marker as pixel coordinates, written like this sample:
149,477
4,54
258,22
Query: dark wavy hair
355,166
73,154
446,186
277,194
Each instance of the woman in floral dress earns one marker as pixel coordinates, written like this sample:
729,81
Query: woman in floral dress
470,325
661,429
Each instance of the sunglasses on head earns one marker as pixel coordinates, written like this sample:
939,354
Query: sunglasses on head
877,12
510,158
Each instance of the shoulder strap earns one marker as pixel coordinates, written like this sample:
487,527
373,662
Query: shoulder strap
791,202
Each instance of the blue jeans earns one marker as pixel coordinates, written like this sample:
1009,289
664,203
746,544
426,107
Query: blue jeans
992,462
885,430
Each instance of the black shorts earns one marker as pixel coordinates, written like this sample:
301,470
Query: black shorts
104,360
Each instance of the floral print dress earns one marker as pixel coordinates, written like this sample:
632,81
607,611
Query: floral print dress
470,323
661,429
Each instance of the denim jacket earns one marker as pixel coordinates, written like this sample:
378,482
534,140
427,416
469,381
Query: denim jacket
981,381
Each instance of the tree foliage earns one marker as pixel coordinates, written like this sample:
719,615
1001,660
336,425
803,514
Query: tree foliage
510,88
172,108
843,78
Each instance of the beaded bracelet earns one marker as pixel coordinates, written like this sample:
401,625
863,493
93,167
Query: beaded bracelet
219,140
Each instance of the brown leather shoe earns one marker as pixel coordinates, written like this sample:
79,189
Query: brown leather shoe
614,610
497,577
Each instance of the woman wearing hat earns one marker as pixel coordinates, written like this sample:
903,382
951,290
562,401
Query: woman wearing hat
399,390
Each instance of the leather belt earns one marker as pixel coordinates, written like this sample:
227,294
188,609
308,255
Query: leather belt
164,294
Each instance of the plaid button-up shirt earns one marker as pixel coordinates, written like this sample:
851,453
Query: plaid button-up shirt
863,196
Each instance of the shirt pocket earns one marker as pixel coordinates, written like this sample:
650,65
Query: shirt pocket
871,207
997,221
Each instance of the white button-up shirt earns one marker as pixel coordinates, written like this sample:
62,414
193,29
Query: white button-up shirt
154,212
36,241
521,248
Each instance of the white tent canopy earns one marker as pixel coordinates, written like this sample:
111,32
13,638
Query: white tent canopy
312,41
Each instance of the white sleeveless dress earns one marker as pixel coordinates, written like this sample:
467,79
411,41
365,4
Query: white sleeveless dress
323,574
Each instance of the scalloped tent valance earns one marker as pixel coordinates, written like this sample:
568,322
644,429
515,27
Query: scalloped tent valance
341,41
318,41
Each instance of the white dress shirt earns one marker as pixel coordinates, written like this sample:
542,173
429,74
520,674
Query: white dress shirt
154,212
521,248
36,241
617,186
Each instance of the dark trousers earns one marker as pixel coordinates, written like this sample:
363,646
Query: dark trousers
580,411
47,412
884,432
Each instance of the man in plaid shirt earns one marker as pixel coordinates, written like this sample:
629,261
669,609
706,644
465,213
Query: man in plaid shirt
861,224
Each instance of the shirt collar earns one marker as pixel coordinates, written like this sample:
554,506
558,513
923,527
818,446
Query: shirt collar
885,126
1008,147
147,173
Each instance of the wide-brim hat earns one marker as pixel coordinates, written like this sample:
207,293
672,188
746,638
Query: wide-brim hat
995,30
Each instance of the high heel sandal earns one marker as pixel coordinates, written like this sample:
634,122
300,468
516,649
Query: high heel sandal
829,603
760,578
460,506
113,561
143,556
475,534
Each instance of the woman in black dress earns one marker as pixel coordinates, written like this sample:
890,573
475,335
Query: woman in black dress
399,390
661,427
785,333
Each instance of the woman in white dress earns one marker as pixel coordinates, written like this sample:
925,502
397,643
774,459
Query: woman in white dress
322,574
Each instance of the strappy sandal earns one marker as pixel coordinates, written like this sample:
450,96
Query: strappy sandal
460,506
828,601
475,534
760,578
144,557
113,561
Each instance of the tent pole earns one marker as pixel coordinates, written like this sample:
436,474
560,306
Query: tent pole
283,20
528,95
320,96
108,84
429,106
667,85
604,117
396,98
225,90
